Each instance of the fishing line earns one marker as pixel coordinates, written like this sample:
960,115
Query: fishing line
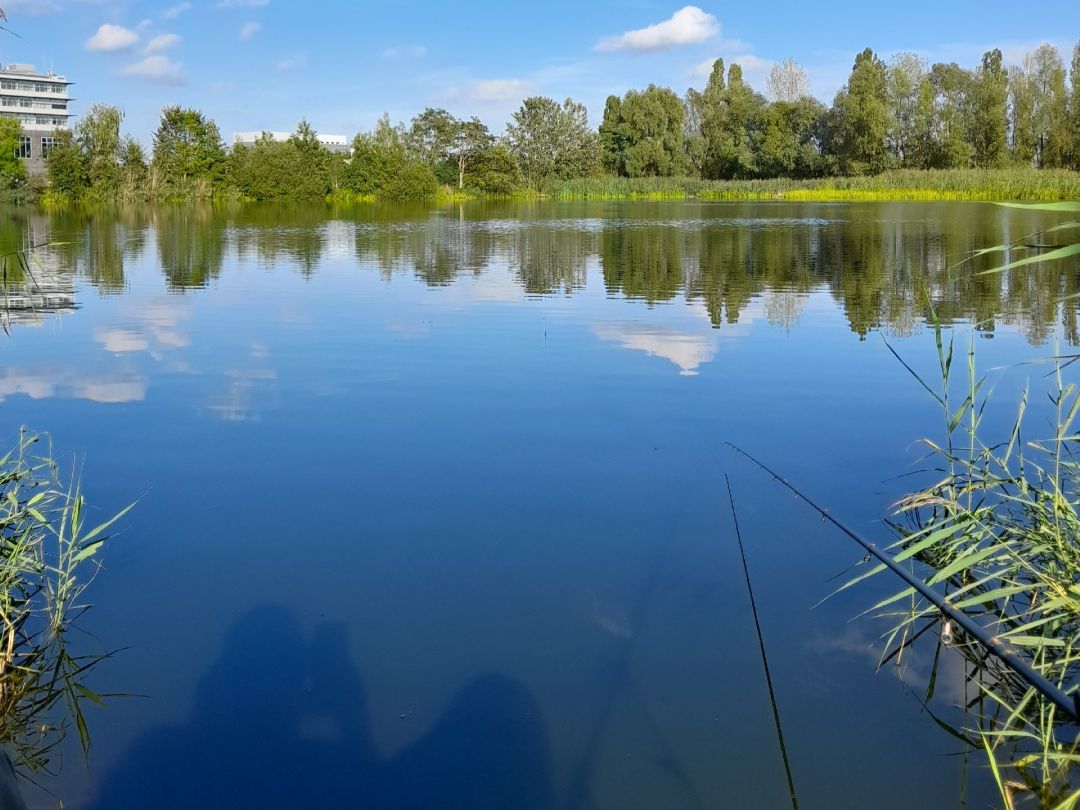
764,657
1069,704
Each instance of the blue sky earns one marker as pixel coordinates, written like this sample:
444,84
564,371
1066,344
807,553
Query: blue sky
264,64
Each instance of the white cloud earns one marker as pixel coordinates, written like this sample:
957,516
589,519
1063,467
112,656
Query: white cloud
405,52
143,25
162,42
111,38
494,91
175,11
293,62
249,30
687,26
155,69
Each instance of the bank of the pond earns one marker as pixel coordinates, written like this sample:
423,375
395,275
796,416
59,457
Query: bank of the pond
912,185
985,185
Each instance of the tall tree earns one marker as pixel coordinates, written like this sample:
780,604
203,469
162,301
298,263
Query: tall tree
642,135
612,142
952,142
311,163
864,117
1023,139
1040,109
1074,108
989,111
733,121
904,77
188,152
788,82
693,135
552,141
65,165
790,138
98,136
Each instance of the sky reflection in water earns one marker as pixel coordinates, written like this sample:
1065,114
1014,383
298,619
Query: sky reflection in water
432,502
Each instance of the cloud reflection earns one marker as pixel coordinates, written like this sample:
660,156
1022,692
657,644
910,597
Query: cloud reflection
45,382
686,351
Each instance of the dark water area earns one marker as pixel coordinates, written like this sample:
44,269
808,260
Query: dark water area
432,507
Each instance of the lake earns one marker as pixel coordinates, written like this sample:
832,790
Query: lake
432,509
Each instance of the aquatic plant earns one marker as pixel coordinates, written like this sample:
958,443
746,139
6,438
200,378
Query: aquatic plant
47,559
998,532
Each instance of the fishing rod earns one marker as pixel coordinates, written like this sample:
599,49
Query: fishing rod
1069,704
764,657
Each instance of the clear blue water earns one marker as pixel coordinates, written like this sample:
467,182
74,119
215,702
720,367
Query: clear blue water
432,508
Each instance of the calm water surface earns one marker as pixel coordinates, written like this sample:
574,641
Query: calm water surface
432,502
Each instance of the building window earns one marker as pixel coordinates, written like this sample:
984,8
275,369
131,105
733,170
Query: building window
25,150
47,144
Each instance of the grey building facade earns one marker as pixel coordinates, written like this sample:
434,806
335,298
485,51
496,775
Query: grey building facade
39,101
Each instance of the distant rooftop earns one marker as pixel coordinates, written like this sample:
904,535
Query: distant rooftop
335,143
19,69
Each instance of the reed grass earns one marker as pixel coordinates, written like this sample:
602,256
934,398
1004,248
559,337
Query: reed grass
47,559
998,531
960,184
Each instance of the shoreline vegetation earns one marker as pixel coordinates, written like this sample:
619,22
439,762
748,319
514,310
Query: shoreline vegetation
897,130
901,185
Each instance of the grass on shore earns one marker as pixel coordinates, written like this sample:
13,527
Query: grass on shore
1045,185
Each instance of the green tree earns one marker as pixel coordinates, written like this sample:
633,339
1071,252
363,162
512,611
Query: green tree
864,118
1040,123
382,164
134,173
904,77
612,142
693,134
1074,109
642,135
65,165
311,168
494,170
552,141
733,120
98,137
952,141
12,170
188,153
989,111
1023,138
790,137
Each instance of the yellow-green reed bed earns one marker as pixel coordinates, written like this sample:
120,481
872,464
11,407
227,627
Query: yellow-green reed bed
959,184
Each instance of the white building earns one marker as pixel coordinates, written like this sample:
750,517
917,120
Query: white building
335,143
39,101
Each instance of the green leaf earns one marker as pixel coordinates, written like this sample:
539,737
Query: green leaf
1060,253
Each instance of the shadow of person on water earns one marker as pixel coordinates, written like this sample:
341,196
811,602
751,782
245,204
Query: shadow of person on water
282,723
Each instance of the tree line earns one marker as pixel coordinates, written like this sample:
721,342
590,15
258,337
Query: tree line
902,113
